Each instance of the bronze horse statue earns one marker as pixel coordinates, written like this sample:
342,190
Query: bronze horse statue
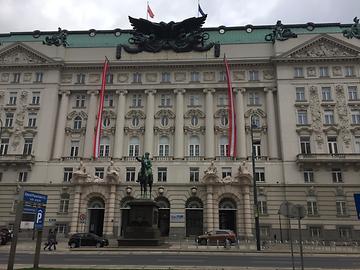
144,179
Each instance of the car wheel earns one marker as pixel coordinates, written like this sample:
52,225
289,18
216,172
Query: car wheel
98,245
203,242
73,245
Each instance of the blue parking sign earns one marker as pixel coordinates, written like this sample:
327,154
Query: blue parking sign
357,203
39,218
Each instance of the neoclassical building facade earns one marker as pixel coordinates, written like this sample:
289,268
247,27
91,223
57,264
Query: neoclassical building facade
299,84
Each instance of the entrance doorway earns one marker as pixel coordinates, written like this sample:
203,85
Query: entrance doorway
96,210
164,215
227,215
194,217
124,210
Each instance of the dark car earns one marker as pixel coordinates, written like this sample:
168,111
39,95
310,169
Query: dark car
216,237
5,236
87,239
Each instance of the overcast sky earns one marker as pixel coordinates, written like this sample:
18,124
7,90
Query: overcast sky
29,15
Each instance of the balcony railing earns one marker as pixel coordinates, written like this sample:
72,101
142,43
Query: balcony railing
328,158
163,158
14,159
224,158
194,158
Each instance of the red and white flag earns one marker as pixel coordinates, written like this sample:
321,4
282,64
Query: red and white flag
100,111
232,116
149,11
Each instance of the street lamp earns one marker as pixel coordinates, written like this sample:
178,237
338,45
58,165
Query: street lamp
1,127
256,210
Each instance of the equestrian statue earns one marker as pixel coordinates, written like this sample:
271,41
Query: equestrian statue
145,176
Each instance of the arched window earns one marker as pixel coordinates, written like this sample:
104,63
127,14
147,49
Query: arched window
194,120
77,122
106,121
224,146
255,121
134,147
64,203
162,202
164,120
104,147
194,203
227,203
135,121
96,203
164,147
194,146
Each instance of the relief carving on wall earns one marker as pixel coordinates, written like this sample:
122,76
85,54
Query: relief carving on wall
66,78
168,113
324,48
27,77
151,77
123,77
18,55
268,74
311,72
343,115
238,75
94,78
316,115
194,130
209,76
337,71
180,76
5,77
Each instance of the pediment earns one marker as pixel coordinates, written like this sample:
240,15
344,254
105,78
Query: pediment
323,46
19,53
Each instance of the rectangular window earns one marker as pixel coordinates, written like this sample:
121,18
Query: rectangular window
224,150
1,176
353,93
357,144
61,228
194,150
23,176
194,100
130,174
257,149
9,119
16,77
136,100
262,207
194,174
329,117
109,78
253,75
162,174
300,93
299,72
195,76
100,172
165,77
312,209
12,98
336,175
355,117
134,150
164,150
341,208
165,100
74,149
222,100
226,171
349,71
260,174
137,77
345,233
302,117
35,98
305,146
104,150
309,176
80,101
109,100
315,232
28,142
80,78
332,145
32,119
324,71
326,93
254,98
222,76
39,77
4,146
68,172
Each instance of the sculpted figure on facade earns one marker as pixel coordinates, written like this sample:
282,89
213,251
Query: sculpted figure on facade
243,168
343,114
80,175
316,115
112,173
211,169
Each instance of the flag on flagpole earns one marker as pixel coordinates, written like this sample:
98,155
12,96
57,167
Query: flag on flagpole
149,11
100,111
231,110
200,10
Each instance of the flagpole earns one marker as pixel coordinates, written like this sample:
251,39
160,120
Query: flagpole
147,11
198,8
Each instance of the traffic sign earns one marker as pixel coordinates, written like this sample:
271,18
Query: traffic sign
39,218
29,210
357,203
35,197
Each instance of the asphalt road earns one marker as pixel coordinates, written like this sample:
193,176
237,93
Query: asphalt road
183,259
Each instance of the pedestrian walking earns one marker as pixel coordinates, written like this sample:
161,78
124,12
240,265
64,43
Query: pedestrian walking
47,243
52,240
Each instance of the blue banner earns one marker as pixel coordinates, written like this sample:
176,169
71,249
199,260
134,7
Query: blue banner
35,197
357,204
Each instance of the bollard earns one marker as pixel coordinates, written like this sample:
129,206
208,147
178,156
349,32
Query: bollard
217,244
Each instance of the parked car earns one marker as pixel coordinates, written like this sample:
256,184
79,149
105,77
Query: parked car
87,239
5,236
216,236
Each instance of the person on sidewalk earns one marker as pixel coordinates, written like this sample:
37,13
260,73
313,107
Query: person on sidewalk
47,243
52,240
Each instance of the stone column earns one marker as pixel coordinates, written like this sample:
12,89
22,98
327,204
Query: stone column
247,211
75,210
179,124
90,124
209,123
240,123
111,212
149,122
61,123
120,123
271,123
209,208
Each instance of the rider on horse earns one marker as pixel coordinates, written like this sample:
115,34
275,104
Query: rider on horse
145,176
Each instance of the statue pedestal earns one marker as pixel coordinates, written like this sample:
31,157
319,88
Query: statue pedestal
142,226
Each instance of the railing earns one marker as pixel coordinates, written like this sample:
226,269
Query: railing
340,157
194,158
14,157
163,158
264,158
70,158
224,158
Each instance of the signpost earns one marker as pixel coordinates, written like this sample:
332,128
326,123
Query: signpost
357,203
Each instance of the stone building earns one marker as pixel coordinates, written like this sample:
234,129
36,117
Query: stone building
298,83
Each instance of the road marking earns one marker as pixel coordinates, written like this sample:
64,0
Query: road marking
179,260
87,259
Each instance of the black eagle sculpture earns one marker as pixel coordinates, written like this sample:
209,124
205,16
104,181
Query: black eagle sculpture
182,36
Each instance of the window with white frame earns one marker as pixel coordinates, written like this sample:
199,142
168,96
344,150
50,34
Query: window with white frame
300,93
4,146
80,101
80,78
109,78
16,77
336,175
77,122
260,174
164,120
222,76
324,71
224,146
194,76
329,117
222,100
39,77
305,147
9,119
164,146
352,92
22,177
61,228
302,117
341,207
308,175
332,144
355,117
64,203
326,93
130,174
136,100
194,174
74,148
162,174
165,77
137,77
194,100
349,71
32,119
262,205
357,144
134,147
35,100
165,100
315,232
253,75
68,172
28,143
298,72
12,98
257,149
100,172
312,208
344,233
104,147
226,171
254,98
109,100
194,146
